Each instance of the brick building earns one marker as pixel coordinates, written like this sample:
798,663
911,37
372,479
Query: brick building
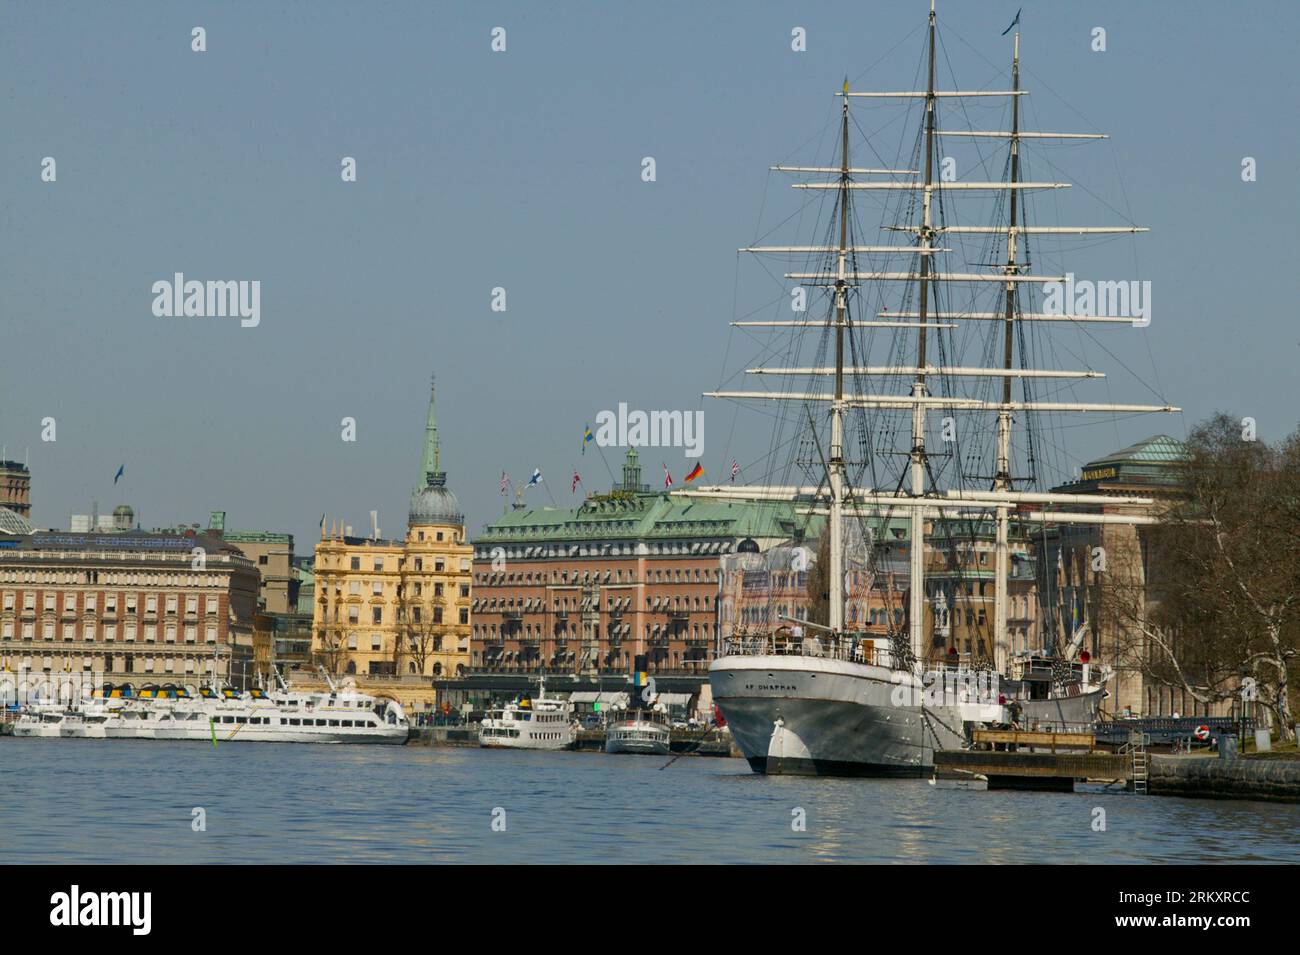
633,572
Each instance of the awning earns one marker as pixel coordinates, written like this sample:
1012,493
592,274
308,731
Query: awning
674,699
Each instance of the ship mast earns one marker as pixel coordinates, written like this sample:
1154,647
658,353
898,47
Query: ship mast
835,466
1002,478
916,544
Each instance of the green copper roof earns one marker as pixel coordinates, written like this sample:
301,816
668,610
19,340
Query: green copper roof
643,516
1157,449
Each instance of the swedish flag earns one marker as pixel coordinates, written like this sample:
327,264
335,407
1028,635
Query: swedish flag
587,437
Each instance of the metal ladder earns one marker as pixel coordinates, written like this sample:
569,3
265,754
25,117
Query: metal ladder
1136,747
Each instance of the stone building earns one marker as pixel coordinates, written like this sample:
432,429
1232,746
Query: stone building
1080,561
135,607
398,609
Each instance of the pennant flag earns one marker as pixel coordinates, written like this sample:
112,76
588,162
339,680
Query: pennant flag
1013,22
576,481
668,478
735,469
587,437
322,521
120,472
505,483
535,479
695,472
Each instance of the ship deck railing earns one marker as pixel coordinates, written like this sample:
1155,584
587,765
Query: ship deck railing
848,649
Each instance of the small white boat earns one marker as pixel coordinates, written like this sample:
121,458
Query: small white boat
60,721
541,722
644,732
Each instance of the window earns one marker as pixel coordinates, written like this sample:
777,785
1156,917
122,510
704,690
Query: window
376,642
263,559
151,604
354,588
379,565
356,563
377,614
191,605
352,641
171,603
464,615
377,588
211,635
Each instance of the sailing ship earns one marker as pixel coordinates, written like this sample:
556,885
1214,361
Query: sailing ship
839,700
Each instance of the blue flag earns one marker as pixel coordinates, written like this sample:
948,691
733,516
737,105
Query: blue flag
120,472
1013,22
535,479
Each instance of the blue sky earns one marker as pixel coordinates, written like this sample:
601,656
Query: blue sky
522,170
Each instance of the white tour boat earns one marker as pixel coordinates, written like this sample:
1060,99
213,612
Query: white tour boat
541,722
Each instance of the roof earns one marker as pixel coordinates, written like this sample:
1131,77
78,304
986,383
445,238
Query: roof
257,537
124,541
640,516
11,522
1157,449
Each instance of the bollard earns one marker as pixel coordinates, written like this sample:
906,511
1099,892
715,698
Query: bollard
1263,743
1227,747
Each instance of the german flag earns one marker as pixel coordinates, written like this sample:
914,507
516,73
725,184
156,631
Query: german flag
695,472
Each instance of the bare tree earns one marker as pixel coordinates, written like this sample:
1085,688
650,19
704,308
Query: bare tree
1214,608
420,638
819,584
333,650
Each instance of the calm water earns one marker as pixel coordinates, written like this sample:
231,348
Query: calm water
91,801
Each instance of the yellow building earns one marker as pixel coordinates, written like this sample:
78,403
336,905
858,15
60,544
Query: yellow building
398,612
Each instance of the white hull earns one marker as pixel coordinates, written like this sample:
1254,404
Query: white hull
640,737
543,724
346,718
814,716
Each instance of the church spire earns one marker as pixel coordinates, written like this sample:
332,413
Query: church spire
433,473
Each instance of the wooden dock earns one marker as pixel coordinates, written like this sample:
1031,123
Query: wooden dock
1019,759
